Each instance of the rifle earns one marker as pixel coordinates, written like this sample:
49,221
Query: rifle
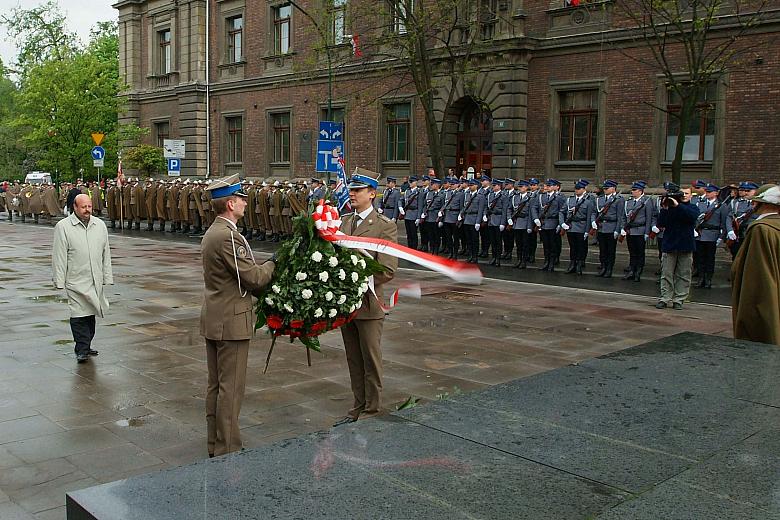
471,200
632,218
414,196
737,224
568,220
705,217
519,209
493,204
602,213
443,209
545,209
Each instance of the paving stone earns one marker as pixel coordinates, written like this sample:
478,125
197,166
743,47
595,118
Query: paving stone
27,428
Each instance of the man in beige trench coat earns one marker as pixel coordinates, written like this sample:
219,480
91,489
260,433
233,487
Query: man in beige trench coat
81,264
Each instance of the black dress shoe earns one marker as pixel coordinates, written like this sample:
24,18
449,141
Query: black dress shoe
82,358
92,352
345,420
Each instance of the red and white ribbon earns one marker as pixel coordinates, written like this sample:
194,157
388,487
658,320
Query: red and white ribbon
328,222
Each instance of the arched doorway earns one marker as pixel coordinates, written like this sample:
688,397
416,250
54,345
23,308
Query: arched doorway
475,137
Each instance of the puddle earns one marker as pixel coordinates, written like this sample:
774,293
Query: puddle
40,326
63,341
56,298
130,423
6,270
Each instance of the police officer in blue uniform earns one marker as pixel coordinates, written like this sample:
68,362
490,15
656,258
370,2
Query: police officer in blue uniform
495,218
453,203
575,218
409,209
471,218
519,221
545,218
485,189
712,225
533,192
434,202
637,223
607,222
507,237
389,204
741,215
317,191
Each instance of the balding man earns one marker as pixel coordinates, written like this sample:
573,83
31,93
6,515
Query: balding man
81,264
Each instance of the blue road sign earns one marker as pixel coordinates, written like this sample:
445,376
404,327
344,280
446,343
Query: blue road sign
331,131
98,153
327,155
174,166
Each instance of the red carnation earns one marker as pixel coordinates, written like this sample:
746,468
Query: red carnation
338,322
318,327
295,334
274,322
296,324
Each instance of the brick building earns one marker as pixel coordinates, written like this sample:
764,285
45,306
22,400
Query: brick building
557,91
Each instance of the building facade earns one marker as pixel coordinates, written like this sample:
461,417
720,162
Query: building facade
555,90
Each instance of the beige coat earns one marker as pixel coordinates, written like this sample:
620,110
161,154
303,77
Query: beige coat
227,306
81,264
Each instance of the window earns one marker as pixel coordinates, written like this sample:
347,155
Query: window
235,130
282,15
700,134
281,138
164,40
397,125
401,10
338,16
579,122
488,19
162,131
235,33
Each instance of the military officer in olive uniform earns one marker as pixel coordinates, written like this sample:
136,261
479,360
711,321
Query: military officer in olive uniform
227,321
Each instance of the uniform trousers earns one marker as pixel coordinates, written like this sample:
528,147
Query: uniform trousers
548,243
411,233
636,251
484,239
424,236
362,340
494,234
706,256
532,241
508,237
433,236
226,362
578,246
607,249
522,239
449,242
676,276
83,329
472,240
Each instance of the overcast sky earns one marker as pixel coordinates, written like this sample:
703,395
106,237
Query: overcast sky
81,15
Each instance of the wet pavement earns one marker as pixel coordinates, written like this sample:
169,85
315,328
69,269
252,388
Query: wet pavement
139,406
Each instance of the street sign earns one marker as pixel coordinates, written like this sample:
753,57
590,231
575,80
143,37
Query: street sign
173,148
98,153
97,163
328,153
97,137
174,167
331,131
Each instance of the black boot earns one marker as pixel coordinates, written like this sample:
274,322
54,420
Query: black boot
602,270
702,281
629,274
638,275
261,236
708,280
546,264
150,226
608,271
580,266
112,224
572,268
138,226
520,264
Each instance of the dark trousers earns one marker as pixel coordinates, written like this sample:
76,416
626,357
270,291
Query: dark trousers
424,236
636,252
83,329
578,247
659,242
706,257
509,240
472,240
532,241
458,239
411,233
432,232
484,239
449,242
494,234
522,239
607,249
548,242
557,245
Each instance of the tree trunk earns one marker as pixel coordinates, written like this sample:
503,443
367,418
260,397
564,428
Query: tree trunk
687,111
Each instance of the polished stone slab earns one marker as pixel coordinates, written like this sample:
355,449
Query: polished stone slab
656,431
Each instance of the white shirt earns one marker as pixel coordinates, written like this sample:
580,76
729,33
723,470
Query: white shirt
360,217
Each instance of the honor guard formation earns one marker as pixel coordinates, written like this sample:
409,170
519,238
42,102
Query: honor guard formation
472,219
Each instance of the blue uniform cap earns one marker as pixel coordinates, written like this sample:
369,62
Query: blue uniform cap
314,179
552,182
509,181
473,182
582,183
748,185
425,178
391,179
485,178
363,179
436,180
497,182
533,181
711,187
609,183
670,186
522,182
698,183
413,178
639,185
225,187
332,182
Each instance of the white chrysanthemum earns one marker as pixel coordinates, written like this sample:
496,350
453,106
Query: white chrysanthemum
354,276
306,294
342,299
316,256
328,296
342,274
332,313
352,308
364,286
333,261
276,289
362,263
300,276
287,307
318,313
269,301
354,259
324,276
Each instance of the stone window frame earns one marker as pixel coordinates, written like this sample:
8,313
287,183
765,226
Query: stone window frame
397,167
230,11
333,12
658,163
159,121
225,117
555,88
274,168
164,23
395,23
272,10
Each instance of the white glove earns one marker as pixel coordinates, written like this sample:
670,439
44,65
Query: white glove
594,225
655,229
440,214
530,230
538,222
394,220
402,211
460,217
695,234
441,224
380,210
417,222
585,235
557,229
476,226
484,218
510,222
623,232
718,242
731,235
422,217
565,226
646,236
501,227
615,234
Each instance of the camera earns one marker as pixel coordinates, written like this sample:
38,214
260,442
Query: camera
672,192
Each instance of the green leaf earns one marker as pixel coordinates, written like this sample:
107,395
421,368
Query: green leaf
409,403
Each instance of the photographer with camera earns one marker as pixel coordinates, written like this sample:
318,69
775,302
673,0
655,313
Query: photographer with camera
677,218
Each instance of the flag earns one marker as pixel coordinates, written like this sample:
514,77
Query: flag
120,177
341,192
356,52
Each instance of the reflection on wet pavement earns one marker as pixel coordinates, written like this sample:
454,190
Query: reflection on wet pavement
139,405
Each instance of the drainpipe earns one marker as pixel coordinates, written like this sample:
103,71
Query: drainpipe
208,91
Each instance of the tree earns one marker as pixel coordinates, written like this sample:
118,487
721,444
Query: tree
146,158
11,151
708,34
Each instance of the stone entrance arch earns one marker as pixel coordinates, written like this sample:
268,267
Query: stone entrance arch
471,135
